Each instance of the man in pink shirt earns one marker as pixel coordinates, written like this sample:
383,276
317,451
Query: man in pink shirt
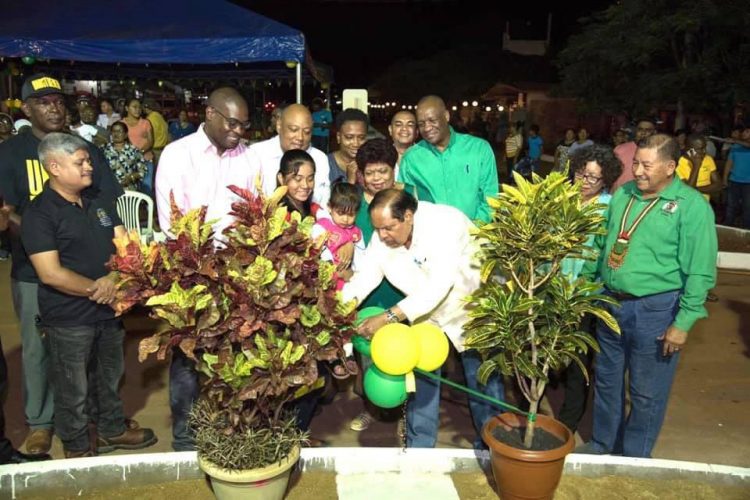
197,169
626,152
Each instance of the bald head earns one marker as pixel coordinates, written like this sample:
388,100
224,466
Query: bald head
295,127
432,120
431,101
224,96
226,118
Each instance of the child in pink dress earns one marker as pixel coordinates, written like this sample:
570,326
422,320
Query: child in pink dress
339,226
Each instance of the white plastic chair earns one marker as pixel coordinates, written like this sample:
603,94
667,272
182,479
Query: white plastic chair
129,210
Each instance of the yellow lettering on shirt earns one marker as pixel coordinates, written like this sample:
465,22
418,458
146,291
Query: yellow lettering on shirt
37,176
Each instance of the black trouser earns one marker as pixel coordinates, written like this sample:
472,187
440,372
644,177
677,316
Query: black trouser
5,241
71,351
6,448
184,389
576,388
305,406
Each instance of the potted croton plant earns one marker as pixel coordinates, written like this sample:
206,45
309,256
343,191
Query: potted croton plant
256,313
528,324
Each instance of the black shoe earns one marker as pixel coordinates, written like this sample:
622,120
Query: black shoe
21,458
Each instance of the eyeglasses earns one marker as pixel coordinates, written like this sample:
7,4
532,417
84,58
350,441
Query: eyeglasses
589,179
233,123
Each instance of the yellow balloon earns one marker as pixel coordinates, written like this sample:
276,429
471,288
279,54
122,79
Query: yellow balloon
395,349
433,346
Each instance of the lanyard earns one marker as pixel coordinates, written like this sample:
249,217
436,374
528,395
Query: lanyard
620,248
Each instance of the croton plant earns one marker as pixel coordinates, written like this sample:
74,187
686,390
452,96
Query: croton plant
255,311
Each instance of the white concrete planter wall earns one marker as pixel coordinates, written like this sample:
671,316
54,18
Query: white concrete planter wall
78,476
734,260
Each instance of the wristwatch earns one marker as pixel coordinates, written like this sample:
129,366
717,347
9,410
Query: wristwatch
391,316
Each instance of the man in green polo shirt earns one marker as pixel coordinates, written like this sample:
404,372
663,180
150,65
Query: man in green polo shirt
658,259
456,169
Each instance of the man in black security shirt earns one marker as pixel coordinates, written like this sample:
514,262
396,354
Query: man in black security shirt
68,234
21,179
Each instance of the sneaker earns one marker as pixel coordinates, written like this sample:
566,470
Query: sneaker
361,422
131,439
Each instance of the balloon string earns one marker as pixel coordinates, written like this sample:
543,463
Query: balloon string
491,400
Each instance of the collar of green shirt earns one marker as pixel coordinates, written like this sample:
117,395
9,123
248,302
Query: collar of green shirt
451,142
671,192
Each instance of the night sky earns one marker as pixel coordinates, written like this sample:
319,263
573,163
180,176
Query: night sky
360,39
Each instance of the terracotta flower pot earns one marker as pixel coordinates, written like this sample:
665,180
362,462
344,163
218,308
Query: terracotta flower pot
527,474
267,483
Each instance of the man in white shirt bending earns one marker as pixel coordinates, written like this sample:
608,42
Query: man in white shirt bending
428,254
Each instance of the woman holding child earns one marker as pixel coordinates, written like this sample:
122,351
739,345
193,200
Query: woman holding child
297,174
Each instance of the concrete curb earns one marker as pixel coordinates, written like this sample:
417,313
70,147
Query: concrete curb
77,476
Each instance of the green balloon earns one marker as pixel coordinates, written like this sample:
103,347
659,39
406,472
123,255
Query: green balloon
368,312
383,390
361,345
28,60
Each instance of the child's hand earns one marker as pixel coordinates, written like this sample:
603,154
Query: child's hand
345,253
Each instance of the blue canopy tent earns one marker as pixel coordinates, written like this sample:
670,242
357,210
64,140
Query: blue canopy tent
150,32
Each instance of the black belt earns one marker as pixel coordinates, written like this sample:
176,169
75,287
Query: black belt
620,295
628,296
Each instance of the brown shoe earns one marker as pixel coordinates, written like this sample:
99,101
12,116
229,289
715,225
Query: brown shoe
131,439
132,424
78,454
39,441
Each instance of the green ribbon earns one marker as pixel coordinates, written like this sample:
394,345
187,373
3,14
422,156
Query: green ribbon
477,394
362,345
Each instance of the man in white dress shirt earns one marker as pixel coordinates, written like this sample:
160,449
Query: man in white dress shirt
294,132
429,255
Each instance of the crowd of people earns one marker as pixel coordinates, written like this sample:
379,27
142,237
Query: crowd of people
398,212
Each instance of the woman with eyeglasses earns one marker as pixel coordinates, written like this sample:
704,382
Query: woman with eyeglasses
595,167
125,160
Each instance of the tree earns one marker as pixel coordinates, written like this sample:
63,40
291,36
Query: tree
641,54
530,323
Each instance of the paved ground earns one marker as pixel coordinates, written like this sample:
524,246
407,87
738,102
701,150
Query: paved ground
706,420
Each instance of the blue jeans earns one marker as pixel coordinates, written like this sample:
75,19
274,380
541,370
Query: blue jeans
639,352
423,408
38,399
71,350
183,391
738,199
